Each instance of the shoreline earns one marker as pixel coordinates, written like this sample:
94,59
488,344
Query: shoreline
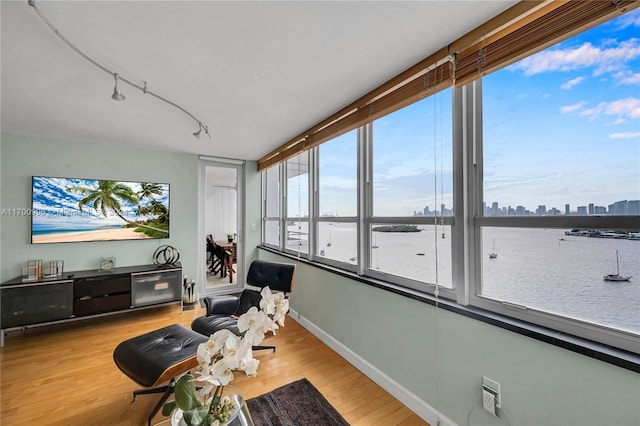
96,235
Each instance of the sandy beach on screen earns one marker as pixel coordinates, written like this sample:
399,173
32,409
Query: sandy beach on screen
97,235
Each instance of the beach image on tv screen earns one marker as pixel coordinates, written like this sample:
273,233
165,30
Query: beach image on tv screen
72,210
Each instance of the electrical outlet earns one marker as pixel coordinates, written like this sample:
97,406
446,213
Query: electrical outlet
489,402
493,387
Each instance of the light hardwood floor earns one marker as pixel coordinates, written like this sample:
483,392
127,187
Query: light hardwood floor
64,374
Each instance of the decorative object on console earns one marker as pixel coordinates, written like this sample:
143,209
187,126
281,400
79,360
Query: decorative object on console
166,255
33,271
117,95
230,238
37,270
54,269
107,263
189,295
219,357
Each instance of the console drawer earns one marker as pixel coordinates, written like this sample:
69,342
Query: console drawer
99,286
156,287
106,303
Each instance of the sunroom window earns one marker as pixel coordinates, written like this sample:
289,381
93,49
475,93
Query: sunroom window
561,180
412,193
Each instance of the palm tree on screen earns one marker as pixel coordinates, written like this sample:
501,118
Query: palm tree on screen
148,190
108,197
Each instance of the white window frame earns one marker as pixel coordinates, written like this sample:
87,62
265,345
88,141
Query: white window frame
471,106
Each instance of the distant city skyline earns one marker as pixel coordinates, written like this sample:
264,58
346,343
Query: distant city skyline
618,208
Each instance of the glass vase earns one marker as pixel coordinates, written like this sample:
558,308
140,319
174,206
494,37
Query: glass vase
232,392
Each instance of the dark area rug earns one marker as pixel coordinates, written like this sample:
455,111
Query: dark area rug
296,404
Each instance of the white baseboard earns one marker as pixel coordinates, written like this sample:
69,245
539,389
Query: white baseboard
415,404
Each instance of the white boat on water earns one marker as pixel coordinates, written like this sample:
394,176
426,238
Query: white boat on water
616,276
493,253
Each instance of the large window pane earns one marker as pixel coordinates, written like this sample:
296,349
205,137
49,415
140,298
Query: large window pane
561,138
561,132
412,159
409,251
298,186
338,241
272,196
338,176
297,237
272,232
563,274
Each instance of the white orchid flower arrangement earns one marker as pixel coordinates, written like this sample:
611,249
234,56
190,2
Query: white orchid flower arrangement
220,356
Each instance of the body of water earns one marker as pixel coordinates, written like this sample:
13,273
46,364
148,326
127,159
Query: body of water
539,268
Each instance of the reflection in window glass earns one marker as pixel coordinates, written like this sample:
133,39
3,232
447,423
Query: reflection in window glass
412,159
409,251
562,272
338,241
338,168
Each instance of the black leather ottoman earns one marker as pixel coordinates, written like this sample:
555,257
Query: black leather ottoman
158,357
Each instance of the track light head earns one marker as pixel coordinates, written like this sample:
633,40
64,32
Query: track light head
197,134
117,95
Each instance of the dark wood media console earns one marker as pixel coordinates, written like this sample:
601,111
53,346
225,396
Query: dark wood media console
82,294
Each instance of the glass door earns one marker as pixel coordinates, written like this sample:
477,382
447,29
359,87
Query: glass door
221,266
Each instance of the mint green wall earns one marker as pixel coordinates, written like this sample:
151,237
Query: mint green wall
441,357
23,157
252,212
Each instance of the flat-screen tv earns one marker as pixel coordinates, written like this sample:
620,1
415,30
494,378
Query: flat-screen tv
72,210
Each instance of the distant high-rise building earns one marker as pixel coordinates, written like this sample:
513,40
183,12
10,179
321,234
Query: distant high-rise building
521,211
591,209
619,208
633,207
541,210
494,209
582,210
567,209
600,210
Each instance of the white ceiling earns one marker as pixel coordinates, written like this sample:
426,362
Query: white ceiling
257,73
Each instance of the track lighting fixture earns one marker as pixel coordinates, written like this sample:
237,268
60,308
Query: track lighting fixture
201,127
117,95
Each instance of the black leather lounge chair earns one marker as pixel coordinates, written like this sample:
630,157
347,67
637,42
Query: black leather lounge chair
223,311
155,359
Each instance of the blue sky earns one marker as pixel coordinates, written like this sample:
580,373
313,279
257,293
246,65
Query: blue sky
562,126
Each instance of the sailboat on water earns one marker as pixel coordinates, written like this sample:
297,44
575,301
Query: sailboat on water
616,276
493,253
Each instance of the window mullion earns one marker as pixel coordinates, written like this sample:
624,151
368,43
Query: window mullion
364,195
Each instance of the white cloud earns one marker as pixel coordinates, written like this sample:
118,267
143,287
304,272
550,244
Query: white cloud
628,135
572,108
622,109
573,82
606,59
630,19
627,77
